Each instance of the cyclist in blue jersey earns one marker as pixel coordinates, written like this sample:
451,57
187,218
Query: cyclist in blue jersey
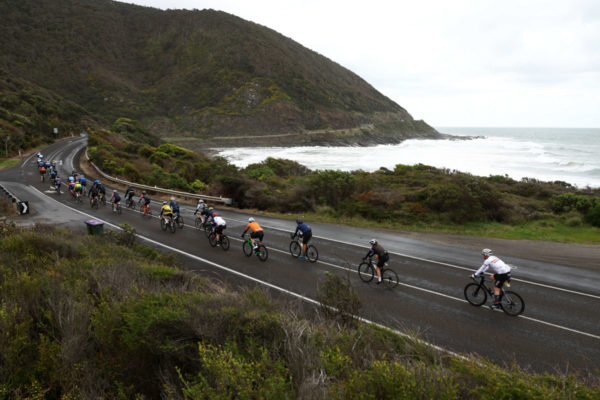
306,235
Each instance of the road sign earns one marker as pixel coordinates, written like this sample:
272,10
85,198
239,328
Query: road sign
23,207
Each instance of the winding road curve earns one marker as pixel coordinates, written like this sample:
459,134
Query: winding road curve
559,331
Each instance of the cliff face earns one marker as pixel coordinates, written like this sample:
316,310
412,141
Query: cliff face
204,74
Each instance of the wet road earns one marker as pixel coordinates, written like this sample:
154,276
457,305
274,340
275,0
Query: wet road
558,331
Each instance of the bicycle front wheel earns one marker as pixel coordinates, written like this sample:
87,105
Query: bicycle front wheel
512,304
365,272
247,248
262,253
224,242
212,239
295,249
207,230
312,254
475,294
198,223
179,221
389,278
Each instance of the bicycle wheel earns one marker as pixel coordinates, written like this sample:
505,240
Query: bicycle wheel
94,203
224,242
163,224
172,226
312,254
262,253
198,223
247,248
389,278
118,209
295,249
207,230
365,272
179,222
212,239
512,304
475,294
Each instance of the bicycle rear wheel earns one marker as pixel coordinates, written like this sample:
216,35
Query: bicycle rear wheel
365,271
312,253
163,224
389,278
262,253
475,294
224,242
295,249
172,226
247,248
512,304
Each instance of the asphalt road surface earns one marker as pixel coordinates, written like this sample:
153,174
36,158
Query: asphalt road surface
559,330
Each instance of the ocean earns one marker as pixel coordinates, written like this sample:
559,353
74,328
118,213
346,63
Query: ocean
548,154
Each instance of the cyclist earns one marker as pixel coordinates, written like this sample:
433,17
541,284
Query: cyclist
166,212
83,182
93,193
57,184
256,232
52,174
101,190
175,207
200,208
381,255
115,199
501,273
71,187
42,172
78,190
145,200
219,226
306,235
129,193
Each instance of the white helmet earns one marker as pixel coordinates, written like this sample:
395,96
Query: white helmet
200,201
373,241
486,252
172,198
250,219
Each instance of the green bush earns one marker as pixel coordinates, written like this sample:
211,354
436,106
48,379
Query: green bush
593,215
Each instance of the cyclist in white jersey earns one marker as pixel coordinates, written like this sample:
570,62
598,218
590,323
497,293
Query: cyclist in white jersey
500,273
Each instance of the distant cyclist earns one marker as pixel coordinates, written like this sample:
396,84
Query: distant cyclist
166,212
306,235
501,273
174,206
200,208
115,199
219,226
83,182
256,232
129,193
145,201
381,255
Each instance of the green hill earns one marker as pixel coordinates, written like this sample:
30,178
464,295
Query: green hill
191,73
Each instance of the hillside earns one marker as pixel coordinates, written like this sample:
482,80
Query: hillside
192,73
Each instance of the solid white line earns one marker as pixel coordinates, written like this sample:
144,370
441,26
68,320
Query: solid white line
307,298
446,264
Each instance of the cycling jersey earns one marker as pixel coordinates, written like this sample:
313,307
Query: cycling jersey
174,206
382,254
494,264
253,226
302,228
166,210
200,208
115,197
78,187
218,221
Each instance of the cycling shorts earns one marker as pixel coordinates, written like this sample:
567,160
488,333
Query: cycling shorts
306,236
499,279
383,259
220,228
258,235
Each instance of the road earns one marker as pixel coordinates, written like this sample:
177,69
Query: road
559,330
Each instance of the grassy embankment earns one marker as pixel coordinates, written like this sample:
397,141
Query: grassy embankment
105,317
419,197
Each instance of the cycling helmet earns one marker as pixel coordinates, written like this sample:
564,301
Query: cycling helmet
210,208
486,252
250,219
299,221
373,241
164,203
115,191
200,201
172,198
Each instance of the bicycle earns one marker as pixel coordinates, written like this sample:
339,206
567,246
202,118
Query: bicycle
224,242
94,202
179,221
129,203
312,253
169,224
476,294
118,207
102,198
77,197
366,272
260,250
203,225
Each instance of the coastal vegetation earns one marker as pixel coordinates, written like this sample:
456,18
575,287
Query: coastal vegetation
86,316
408,197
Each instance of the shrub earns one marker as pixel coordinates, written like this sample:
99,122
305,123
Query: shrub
338,299
593,215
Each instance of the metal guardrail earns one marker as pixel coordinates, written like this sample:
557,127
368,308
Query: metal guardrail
219,199
21,207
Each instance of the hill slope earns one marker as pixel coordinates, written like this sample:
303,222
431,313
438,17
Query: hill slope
192,73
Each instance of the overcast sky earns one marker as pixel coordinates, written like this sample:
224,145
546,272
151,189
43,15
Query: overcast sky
452,63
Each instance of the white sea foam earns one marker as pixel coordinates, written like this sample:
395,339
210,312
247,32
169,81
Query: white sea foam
545,154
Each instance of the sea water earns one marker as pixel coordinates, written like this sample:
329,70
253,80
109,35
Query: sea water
548,154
